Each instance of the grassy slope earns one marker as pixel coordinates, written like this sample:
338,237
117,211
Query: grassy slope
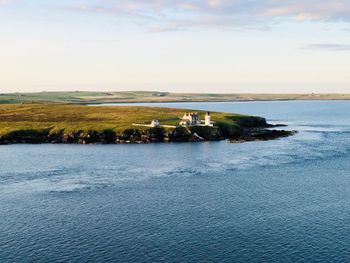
55,117
147,96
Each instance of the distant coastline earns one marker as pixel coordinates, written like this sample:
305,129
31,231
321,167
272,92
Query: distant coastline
90,98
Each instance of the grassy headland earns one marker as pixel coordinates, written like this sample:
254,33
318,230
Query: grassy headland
57,123
82,97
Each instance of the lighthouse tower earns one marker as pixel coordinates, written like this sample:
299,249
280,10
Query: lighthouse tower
208,119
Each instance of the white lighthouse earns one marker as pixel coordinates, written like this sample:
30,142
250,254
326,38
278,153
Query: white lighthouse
208,119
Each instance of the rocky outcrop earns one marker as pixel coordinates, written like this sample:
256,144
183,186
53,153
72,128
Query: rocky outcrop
260,134
240,129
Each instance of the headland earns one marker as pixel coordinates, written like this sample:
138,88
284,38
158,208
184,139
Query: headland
66,123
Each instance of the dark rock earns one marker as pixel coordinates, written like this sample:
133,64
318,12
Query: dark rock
246,129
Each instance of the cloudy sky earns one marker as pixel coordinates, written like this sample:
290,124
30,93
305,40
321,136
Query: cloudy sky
175,45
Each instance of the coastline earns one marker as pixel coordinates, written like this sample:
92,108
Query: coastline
91,97
155,135
77,124
203,101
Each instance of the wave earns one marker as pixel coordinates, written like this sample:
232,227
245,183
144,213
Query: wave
311,144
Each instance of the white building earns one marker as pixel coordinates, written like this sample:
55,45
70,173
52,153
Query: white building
155,123
190,119
207,120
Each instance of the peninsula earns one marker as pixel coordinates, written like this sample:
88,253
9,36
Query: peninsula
66,123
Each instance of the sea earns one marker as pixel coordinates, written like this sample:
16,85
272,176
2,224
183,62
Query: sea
285,200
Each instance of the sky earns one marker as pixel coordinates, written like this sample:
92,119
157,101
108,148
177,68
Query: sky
257,46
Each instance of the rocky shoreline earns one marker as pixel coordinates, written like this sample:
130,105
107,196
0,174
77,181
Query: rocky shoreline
252,130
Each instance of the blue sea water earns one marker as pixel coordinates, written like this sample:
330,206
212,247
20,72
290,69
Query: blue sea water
286,200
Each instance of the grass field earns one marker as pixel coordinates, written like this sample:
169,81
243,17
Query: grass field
71,118
81,97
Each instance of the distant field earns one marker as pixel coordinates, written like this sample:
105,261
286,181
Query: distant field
71,118
81,97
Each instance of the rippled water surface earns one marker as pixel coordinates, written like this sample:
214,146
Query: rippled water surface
278,201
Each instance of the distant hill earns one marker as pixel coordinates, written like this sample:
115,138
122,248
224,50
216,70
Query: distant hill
84,97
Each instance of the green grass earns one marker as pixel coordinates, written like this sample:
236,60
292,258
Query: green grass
71,118
81,97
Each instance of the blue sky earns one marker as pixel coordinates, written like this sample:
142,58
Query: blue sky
185,46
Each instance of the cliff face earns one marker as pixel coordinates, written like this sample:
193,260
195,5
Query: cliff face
247,129
181,134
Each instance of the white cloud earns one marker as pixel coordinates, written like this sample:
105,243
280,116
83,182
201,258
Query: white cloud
180,14
328,47
3,2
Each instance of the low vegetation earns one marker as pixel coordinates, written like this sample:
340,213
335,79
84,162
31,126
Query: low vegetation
57,117
62,123
37,123
82,97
